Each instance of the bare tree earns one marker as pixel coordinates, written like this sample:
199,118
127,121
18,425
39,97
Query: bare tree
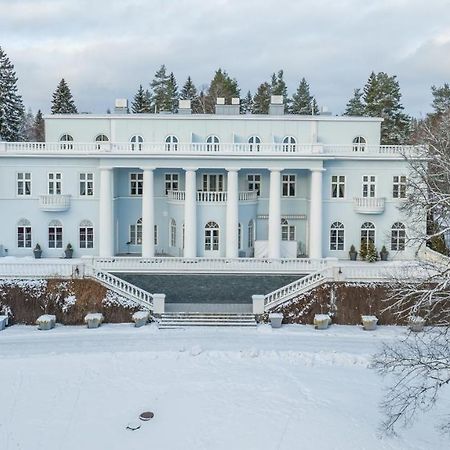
419,365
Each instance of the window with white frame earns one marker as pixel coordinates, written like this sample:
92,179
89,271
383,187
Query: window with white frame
287,231
86,234
136,143
337,236
359,144
183,236
251,234
155,234
55,234
338,186
289,144
54,183
369,186
212,144
254,142
399,186
173,233
101,138
171,182
288,185
86,184
212,236
136,233
398,236
239,236
367,234
66,140
136,183
24,234
24,183
254,183
171,143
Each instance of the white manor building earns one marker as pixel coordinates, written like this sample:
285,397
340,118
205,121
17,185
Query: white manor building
220,185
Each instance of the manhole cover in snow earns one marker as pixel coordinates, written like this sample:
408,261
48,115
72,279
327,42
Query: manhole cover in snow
133,426
147,415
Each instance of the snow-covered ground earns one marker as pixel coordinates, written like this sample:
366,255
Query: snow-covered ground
293,388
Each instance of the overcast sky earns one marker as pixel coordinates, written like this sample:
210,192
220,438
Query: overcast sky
106,48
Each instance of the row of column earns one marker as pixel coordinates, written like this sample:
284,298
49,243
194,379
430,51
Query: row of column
106,241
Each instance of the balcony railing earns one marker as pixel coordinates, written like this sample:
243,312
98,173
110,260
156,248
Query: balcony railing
105,148
213,196
54,202
368,205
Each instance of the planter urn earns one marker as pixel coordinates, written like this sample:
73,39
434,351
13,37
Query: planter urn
275,320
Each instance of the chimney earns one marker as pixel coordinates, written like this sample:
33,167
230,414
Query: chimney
324,111
228,110
276,107
121,106
184,107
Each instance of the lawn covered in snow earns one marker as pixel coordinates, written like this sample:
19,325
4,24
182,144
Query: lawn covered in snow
293,388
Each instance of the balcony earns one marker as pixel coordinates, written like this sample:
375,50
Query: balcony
213,196
54,203
368,205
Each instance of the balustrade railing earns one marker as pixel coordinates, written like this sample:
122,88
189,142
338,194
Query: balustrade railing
368,205
41,269
213,196
57,202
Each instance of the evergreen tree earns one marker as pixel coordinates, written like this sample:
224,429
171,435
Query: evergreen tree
189,92
247,103
261,100
222,85
302,101
441,98
355,106
62,102
382,99
39,127
141,102
159,86
172,95
278,87
12,111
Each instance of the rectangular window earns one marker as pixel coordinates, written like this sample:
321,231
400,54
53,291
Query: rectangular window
254,183
288,185
24,237
212,182
171,182
136,183
368,186
86,237
155,234
338,186
54,183
54,237
24,183
399,186
86,184
288,232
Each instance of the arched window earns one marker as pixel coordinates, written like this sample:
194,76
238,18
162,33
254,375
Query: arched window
359,144
66,138
254,142
337,236
171,143
24,233
289,144
211,236
136,143
251,234
101,138
136,233
86,234
173,233
55,234
367,234
287,231
212,144
398,236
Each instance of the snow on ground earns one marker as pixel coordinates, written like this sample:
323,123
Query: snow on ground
293,388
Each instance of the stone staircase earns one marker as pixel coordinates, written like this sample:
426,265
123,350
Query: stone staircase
197,319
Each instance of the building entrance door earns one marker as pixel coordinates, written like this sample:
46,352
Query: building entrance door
212,240
212,182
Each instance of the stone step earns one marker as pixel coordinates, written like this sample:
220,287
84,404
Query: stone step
167,325
181,320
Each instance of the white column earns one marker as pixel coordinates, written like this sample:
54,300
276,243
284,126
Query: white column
190,214
275,214
148,214
106,213
232,250
315,215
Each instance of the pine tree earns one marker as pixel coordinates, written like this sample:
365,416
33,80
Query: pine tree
441,98
141,102
172,95
39,127
159,89
189,92
278,87
382,99
12,111
62,102
355,106
247,103
222,85
302,101
261,100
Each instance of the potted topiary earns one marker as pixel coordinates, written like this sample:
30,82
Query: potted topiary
384,253
353,253
37,251
68,252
